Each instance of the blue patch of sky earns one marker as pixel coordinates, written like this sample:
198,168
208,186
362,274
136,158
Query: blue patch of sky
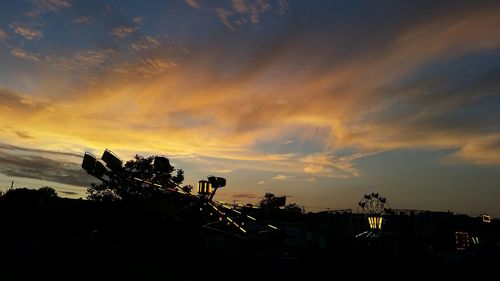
445,80
416,177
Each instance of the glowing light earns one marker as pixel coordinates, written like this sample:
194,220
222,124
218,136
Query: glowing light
204,187
375,222
361,233
461,240
475,240
486,218
272,226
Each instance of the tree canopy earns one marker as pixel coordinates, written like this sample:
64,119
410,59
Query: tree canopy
122,184
45,192
273,202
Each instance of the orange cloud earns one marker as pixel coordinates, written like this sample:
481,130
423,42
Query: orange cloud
203,106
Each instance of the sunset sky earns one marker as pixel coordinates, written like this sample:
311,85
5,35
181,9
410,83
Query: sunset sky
322,101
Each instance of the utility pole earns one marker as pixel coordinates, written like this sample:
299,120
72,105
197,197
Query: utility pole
12,185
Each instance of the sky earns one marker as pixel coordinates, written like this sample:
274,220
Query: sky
321,101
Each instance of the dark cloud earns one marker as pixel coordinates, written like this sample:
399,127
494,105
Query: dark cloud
39,167
24,135
41,164
245,196
4,146
67,192
14,101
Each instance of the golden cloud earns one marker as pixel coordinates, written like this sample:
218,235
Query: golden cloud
206,107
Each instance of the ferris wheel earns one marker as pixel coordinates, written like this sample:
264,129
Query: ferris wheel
373,207
372,204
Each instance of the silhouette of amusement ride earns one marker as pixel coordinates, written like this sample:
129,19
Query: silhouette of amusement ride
373,206
217,216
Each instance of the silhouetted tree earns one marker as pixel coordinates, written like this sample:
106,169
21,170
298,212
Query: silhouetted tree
265,203
294,208
28,196
187,188
273,202
47,192
123,186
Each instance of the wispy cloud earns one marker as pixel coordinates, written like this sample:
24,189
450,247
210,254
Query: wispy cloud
252,8
221,171
223,16
22,104
194,3
282,177
67,192
83,60
123,31
43,152
150,67
481,151
20,53
283,7
83,20
91,58
26,31
24,135
3,35
51,5
42,6
230,195
144,44
138,20
244,12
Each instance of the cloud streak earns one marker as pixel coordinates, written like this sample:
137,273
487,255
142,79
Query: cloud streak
3,35
26,31
123,31
51,5
43,168
23,54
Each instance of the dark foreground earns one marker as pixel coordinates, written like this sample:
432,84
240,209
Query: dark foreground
68,239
